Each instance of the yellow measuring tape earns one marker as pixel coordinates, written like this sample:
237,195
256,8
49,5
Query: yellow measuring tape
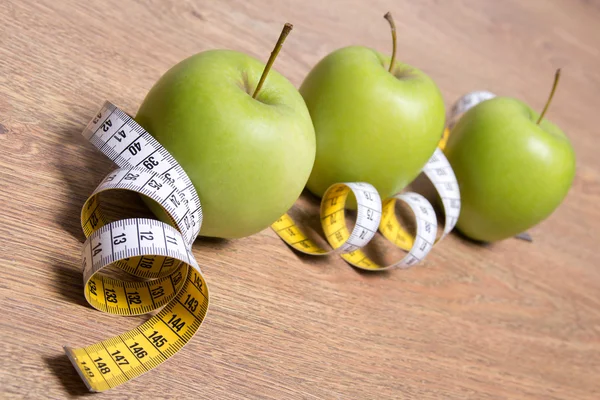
144,248
160,254
373,216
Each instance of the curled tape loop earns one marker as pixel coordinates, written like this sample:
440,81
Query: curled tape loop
372,215
144,248
437,170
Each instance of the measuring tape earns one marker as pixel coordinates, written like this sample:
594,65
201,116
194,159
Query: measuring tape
373,216
144,248
161,253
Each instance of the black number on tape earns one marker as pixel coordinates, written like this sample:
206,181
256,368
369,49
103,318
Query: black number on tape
134,148
167,176
191,303
122,135
101,366
176,278
119,239
150,162
119,359
154,184
176,323
138,350
110,295
88,370
146,262
106,126
146,235
92,287
158,340
93,220
97,249
157,292
134,298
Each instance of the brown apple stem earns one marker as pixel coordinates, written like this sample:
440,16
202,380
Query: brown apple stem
556,79
286,31
389,18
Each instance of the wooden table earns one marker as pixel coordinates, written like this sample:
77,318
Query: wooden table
508,320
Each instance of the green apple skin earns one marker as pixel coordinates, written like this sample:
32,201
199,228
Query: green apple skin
249,159
371,126
512,173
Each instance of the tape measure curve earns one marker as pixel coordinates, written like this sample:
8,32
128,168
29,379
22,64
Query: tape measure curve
161,252
437,170
144,248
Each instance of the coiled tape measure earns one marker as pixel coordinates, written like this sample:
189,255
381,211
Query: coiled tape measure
161,253
144,248
372,215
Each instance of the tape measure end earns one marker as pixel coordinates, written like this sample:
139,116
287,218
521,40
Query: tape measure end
73,358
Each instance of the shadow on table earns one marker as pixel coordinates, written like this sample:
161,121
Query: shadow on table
68,282
212,243
82,168
68,376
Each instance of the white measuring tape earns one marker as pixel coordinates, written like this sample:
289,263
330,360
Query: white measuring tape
145,248
372,215
162,254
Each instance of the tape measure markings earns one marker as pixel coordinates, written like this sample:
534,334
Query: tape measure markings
119,289
152,249
142,149
373,216
152,185
441,175
144,248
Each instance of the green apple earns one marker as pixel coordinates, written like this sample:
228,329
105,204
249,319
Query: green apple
376,120
247,146
513,168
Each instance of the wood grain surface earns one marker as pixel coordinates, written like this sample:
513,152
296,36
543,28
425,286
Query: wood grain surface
509,320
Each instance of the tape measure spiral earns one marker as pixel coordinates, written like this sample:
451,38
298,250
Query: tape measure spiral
372,215
161,253
144,248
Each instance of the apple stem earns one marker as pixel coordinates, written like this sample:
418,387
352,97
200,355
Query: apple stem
556,79
286,30
388,17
